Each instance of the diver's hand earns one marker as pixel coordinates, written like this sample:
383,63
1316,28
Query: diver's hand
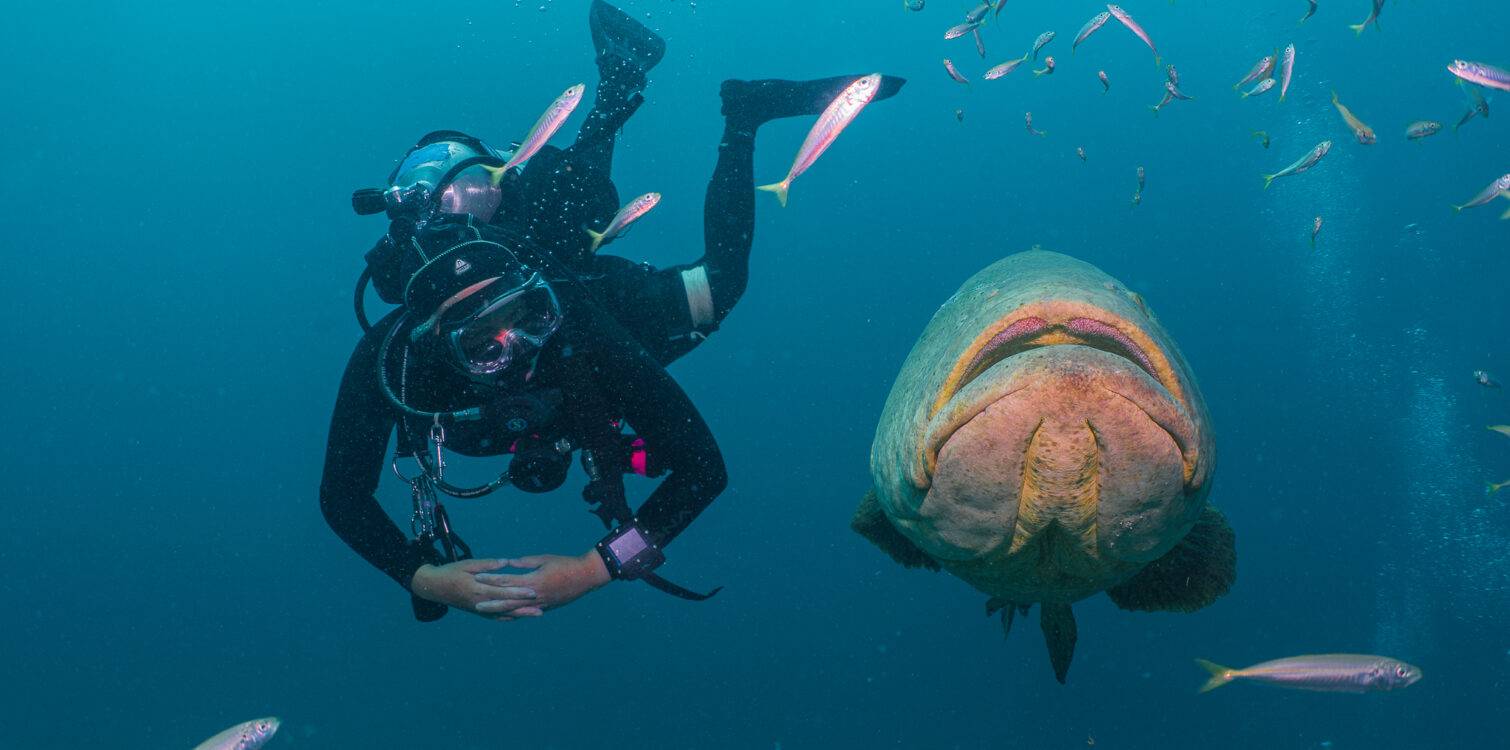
557,580
462,585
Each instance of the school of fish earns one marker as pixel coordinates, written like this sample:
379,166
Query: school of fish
1276,71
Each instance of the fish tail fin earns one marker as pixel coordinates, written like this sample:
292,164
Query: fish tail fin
1334,96
597,239
1490,488
1357,29
1457,210
1268,178
1155,110
1158,62
1220,675
495,174
779,188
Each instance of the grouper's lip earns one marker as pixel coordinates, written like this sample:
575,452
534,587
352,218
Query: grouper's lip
1031,332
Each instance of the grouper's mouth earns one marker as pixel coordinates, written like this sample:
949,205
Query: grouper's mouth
1032,332
1150,383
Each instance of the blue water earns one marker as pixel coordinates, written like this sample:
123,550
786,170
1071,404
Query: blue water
179,268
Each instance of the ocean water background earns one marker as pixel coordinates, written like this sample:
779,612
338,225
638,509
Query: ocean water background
180,265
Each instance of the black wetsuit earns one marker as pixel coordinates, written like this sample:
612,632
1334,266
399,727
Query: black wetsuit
634,320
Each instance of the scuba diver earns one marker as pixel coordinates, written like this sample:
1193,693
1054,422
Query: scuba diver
513,336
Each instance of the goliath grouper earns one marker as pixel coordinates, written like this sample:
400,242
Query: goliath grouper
1045,442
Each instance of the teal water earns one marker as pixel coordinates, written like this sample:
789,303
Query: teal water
181,258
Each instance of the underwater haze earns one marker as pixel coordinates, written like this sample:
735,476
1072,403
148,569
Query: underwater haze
180,274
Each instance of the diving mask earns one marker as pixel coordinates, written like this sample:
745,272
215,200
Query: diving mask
510,328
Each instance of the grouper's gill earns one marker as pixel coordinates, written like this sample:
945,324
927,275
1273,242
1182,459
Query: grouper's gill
1060,488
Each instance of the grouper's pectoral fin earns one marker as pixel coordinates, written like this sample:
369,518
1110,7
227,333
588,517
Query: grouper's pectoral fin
1058,624
1202,567
871,522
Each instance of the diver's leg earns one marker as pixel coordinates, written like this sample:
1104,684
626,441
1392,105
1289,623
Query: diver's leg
729,207
626,51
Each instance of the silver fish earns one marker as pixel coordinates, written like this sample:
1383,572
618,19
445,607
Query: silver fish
1264,85
1487,194
248,735
545,127
1301,164
1133,26
1044,38
1481,74
1327,673
1089,28
629,214
1286,69
839,114
1004,68
1258,72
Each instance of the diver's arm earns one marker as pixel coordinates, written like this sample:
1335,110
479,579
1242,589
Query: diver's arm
665,418
354,461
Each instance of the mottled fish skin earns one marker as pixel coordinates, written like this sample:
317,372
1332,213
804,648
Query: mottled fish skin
629,214
835,118
1172,74
1363,133
1420,129
1258,72
545,127
1286,69
1487,194
1301,164
1089,28
1315,230
1174,89
1106,85
1264,85
1004,68
1481,74
248,735
1048,67
1327,673
1121,15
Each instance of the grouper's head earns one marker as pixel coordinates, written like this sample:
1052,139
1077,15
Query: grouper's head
1051,440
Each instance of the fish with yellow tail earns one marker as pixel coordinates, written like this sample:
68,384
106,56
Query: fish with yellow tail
1503,429
1323,673
629,214
1373,18
545,127
1493,488
839,114
248,735
1301,164
1363,133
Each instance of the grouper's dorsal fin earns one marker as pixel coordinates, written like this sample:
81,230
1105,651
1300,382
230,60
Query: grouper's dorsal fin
1058,624
1202,567
870,521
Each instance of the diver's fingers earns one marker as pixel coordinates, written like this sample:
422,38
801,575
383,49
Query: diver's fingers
504,586
482,565
509,608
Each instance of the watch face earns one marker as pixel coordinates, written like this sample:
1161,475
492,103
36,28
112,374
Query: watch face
625,546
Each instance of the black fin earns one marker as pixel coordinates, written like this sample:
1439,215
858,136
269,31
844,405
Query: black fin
871,522
1202,567
1008,610
1058,624
751,103
627,50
